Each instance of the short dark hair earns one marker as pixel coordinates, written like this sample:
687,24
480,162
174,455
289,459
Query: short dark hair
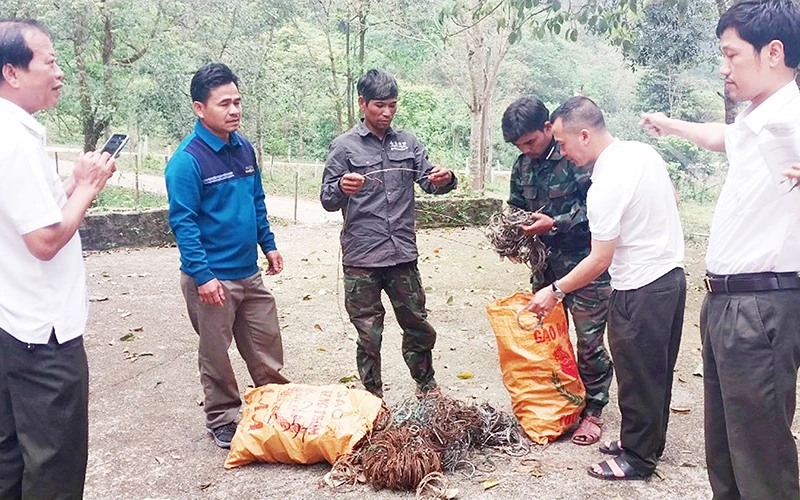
579,111
523,116
377,84
759,22
14,50
210,77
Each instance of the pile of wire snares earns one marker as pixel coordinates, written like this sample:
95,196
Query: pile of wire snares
411,445
508,240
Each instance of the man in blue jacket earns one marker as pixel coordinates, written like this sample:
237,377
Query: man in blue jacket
218,215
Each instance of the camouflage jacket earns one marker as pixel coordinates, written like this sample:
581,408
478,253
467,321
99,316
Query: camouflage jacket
555,187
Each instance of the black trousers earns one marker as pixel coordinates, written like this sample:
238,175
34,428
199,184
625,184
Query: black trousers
751,354
644,333
44,429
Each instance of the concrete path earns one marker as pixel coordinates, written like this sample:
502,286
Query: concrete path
307,212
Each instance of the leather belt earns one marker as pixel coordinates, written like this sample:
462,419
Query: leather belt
753,282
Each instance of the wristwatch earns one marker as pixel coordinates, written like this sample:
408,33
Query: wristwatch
558,293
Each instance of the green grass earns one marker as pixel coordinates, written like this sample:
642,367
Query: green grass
150,164
281,182
696,220
114,198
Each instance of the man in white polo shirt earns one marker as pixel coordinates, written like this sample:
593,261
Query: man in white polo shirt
43,302
750,321
637,236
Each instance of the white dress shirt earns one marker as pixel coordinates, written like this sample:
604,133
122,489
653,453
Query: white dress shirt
35,295
631,200
756,225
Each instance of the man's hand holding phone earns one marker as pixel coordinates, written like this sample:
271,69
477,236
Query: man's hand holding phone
92,171
115,144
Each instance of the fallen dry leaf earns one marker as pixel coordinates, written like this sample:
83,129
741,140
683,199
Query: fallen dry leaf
318,327
675,409
490,483
530,466
128,337
464,375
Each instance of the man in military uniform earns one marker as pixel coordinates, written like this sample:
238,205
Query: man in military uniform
369,175
554,190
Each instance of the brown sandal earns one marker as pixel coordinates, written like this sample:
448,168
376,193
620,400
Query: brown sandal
589,431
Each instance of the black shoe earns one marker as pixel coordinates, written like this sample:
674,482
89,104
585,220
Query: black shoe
223,435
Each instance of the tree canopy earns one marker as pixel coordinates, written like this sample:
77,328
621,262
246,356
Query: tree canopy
458,62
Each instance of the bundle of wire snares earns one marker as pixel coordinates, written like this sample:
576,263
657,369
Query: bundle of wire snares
508,240
419,439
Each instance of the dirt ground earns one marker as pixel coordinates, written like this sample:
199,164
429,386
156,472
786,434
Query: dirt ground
147,438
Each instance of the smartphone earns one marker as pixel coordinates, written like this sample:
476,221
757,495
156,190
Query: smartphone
114,144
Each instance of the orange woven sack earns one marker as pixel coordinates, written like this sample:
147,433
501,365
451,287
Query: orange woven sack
301,424
539,368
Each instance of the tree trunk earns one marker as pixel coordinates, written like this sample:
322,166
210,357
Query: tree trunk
259,134
324,18
730,105
477,147
485,53
349,69
362,35
90,135
301,145
108,84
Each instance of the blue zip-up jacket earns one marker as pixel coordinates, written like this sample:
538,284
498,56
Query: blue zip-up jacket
216,207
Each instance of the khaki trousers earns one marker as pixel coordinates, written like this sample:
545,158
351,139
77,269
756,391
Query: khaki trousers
250,316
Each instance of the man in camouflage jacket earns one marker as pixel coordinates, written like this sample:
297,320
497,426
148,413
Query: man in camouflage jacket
550,186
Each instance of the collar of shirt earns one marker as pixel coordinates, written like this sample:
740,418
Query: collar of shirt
607,153
756,117
11,110
212,140
364,131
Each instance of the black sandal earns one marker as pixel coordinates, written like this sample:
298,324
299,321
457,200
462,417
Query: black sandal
616,469
612,448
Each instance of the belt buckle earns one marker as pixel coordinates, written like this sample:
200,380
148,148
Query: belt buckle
707,283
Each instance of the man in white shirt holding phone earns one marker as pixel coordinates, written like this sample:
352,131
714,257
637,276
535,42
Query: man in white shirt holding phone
43,301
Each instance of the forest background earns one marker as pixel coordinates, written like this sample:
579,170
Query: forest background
459,63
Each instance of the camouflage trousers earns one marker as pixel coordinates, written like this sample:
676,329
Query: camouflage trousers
362,300
588,307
